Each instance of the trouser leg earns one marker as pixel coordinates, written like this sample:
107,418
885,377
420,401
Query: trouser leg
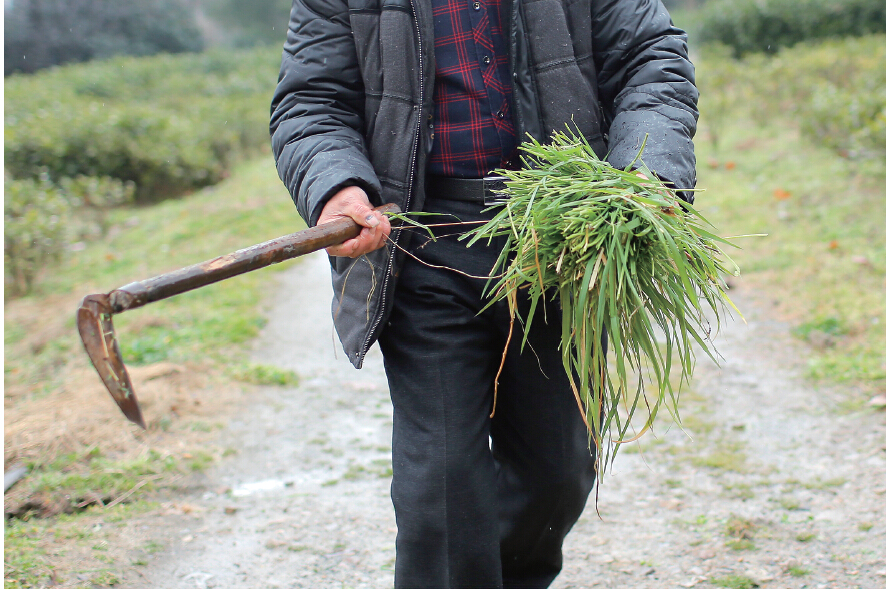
468,516
440,375
545,462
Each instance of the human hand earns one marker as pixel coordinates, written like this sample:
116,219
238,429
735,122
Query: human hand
352,202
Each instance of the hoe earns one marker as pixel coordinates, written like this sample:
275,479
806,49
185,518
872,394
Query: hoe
95,312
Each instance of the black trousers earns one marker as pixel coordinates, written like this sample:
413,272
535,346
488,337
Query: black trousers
480,502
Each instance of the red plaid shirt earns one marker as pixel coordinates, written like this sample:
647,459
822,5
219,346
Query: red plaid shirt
472,130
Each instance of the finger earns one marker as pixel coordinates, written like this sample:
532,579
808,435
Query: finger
367,240
346,249
383,231
372,220
375,236
376,228
363,215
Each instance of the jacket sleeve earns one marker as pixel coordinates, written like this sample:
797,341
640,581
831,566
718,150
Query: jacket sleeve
647,86
317,109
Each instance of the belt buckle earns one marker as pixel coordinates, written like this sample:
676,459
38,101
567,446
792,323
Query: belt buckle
494,191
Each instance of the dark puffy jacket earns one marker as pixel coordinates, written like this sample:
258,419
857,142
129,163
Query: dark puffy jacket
354,101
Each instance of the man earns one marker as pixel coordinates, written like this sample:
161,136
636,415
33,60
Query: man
414,102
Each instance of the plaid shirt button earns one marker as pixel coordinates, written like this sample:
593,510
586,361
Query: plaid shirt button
472,76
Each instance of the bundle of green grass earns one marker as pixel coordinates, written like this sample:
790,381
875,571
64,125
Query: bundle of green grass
625,259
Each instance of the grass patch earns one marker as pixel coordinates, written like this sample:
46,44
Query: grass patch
50,552
103,579
127,510
805,536
259,374
798,572
25,562
354,472
695,424
740,528
735,581
298,548
71,482
726,456
200,461
382,468
826,484
742,491
200,426
831,326
789,503
741,545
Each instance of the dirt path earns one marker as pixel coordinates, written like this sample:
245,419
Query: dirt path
781,485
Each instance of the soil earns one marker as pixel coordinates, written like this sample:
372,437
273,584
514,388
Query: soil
774,482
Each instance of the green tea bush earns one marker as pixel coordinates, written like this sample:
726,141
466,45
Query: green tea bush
35,216
168,124
749,26
98,192
835,91
93,197
846,109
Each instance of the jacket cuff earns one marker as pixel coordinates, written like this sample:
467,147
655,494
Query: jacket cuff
317,210
328,173
669,152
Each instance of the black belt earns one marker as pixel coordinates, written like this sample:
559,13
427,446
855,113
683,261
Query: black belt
488,191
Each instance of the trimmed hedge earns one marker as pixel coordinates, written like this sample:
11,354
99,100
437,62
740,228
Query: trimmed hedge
169,124
750,26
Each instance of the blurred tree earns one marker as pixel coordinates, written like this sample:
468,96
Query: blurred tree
43,33
250,22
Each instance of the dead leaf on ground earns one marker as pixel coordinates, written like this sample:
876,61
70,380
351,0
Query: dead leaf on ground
781,195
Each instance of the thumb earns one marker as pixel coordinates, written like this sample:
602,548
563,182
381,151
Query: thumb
364,215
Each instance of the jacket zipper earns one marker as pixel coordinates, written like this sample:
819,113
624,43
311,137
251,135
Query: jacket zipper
410,186
512,60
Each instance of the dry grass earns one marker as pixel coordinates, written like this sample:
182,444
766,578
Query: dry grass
81,414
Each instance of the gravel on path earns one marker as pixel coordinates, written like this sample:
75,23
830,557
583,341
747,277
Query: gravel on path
773,483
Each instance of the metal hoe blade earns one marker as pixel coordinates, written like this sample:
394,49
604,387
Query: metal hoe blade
100,341
95,311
